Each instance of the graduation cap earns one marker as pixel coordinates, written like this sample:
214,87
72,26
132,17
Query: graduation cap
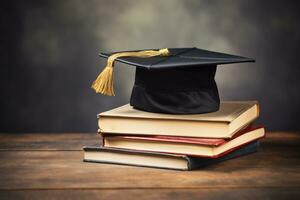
174,80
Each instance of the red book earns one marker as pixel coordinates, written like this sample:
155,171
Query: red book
203,147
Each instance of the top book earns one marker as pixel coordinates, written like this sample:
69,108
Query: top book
230,118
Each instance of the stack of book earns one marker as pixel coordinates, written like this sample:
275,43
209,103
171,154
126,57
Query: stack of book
184,142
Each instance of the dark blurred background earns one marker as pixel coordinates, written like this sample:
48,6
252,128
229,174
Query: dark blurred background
49,55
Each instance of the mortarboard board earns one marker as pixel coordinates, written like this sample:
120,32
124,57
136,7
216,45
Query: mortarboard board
174,81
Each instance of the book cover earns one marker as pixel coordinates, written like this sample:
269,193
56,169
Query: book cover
185,140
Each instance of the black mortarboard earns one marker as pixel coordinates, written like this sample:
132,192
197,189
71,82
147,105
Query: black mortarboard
174,81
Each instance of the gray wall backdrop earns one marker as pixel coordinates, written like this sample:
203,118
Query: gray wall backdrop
49,55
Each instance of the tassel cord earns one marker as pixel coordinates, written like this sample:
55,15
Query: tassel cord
104,82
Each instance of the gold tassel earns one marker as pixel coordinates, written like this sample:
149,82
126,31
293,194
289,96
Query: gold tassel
104,82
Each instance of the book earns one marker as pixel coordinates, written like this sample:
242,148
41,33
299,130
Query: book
230,118
204,147
159,160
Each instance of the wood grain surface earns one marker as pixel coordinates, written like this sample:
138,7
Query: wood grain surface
49,166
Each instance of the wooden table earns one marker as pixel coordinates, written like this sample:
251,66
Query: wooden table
49,166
